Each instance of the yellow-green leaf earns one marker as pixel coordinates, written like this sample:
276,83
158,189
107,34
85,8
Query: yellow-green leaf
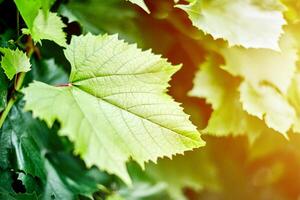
14,61
47,28
221,90
240,22
267,104
262,65
116,106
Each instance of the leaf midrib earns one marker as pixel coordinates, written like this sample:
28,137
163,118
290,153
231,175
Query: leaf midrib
139,116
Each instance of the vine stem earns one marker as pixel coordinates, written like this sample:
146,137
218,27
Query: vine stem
12,100
10,103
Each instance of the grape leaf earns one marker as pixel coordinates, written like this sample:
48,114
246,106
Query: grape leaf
14,61
221,90
239,22
8,196
48,71
29,146
266,103
6,181
262,65
17,143
140,3
55,188
272,69
29,10
3,90
47,28
208,83
115,106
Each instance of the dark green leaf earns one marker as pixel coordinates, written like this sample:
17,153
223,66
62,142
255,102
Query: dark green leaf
48,71
27,145
18,147
3,90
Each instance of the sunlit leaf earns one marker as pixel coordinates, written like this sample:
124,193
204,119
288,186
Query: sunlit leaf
240,22
14,61
47,28
266,103
117,99
221,90
262,65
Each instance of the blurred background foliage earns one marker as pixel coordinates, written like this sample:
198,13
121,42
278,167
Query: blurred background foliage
267,168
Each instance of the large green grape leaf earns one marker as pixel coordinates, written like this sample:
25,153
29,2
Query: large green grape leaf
140,3
14,61
221,90
47,28
240,22
115,106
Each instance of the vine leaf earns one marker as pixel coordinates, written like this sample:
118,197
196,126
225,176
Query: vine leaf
3,90
267,104
116,106
239,22
225,101
140,3
47,28
29,9
14,61
18,149
264,65
267,77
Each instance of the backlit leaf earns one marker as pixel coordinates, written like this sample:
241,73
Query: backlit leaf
240,22
14,61
47,28
116,99
266,103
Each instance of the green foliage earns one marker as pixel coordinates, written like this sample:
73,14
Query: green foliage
117,98
29,10
3,90
89,112
180,175
47,28
239,22
13,62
